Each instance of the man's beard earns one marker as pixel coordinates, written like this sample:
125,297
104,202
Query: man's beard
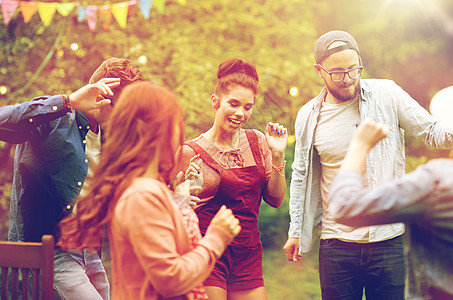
341,95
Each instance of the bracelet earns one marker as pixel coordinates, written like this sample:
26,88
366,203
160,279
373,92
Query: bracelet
66,102
280,169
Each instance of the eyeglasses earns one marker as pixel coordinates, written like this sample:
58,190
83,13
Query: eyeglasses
338,76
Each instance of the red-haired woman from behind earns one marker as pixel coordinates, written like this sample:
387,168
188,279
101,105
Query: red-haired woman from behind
152,256
240,167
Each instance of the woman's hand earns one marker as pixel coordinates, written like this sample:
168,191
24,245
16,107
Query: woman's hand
276,137
190,183
194,174
226,220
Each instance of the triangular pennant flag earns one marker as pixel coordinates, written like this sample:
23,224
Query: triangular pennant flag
145,7
132,5
182,2
159,5
46,12
82,13
28,9
105,16
92,17
119,11
8,9
65,8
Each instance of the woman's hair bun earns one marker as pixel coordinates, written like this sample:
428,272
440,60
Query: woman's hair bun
236,65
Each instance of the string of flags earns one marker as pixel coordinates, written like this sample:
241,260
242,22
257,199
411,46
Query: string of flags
91,13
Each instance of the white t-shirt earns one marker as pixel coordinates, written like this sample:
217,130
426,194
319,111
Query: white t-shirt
336,125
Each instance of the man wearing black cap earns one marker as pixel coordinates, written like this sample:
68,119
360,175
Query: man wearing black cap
352,258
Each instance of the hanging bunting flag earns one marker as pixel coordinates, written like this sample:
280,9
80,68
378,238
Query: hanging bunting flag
105,16
8,9
46,12
92,17
145,7
119,11
160,5
28,9
81,13
65,8
132,5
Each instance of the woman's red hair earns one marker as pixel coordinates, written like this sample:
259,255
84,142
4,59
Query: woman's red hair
144,119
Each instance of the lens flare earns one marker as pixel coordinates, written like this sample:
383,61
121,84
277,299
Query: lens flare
441,106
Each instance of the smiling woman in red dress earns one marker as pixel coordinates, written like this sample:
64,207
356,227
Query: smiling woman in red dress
240,167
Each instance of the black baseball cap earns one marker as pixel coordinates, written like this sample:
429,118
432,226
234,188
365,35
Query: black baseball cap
323,43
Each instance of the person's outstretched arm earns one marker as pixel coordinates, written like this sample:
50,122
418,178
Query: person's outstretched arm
18,123
276,138
351,203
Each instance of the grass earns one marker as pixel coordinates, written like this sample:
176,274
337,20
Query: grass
289,280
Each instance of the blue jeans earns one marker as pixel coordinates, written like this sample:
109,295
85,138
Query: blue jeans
79,275
345,269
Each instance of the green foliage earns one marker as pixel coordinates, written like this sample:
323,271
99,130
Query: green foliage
412,162
183,48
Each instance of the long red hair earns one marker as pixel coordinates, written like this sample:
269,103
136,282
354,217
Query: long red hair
144,119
